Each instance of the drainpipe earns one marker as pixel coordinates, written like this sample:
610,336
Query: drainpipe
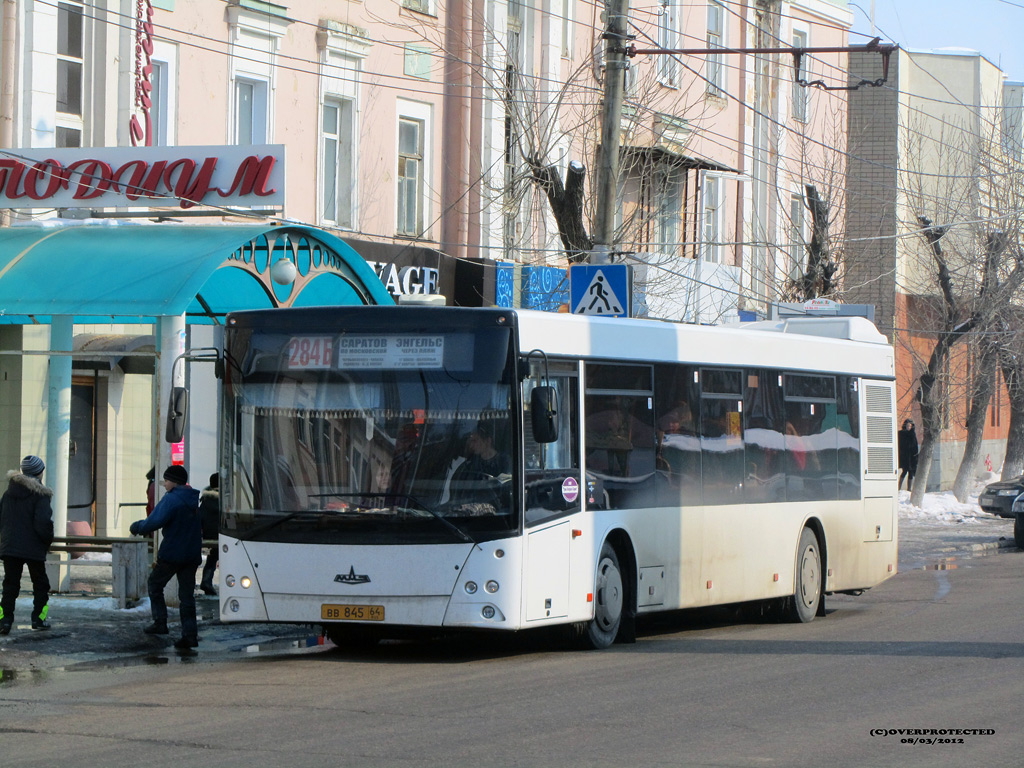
8,67
454,140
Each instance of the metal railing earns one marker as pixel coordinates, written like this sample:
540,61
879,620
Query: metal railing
130,559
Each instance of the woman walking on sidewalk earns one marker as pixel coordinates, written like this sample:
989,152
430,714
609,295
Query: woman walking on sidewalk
907,450
26,532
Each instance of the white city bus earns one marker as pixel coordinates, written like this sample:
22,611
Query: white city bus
391,468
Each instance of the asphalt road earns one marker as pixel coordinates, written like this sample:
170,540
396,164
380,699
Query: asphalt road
935,648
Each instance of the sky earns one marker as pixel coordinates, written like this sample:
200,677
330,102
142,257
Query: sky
995,28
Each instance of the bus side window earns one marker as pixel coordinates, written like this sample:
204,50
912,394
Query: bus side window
763,436
620,438
721,435
811,438
677,413
553,469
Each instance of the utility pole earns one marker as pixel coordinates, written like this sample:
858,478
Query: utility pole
615,36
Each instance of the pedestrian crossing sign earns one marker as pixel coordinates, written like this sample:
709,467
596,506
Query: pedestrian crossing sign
601,289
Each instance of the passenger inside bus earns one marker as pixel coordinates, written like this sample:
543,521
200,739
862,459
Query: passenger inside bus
678,446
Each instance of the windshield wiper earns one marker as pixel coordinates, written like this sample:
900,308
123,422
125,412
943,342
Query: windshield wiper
247,535
430,510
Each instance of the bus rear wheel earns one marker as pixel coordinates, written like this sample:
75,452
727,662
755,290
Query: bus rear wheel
609,601
803,605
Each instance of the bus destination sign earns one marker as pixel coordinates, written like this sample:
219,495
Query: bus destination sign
390,352
310,352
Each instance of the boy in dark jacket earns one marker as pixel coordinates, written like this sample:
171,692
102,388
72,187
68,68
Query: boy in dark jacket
179,555
26,532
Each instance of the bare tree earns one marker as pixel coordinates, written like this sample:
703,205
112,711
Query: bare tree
960,317
821,162
982,385
1011,363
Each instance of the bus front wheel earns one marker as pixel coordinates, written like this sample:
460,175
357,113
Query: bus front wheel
609,601
803,605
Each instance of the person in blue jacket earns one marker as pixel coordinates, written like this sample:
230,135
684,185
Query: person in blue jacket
180,553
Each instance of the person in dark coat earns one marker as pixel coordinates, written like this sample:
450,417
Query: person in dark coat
150,491
906,443
180,553
26,532
209,512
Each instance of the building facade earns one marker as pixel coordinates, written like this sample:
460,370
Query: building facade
933,149
421,132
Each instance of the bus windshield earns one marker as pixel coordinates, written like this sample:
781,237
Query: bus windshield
370,437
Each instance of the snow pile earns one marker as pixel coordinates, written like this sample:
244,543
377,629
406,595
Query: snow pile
941,508
61,604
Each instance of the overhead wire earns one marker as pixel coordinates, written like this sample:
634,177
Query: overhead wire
316,63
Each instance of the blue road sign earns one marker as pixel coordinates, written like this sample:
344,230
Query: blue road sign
601,289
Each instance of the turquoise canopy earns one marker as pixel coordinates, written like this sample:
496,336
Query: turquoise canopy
133,273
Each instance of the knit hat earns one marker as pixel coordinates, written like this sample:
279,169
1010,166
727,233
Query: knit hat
176,474
32,466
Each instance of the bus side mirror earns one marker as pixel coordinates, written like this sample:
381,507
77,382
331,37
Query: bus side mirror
177,413
544,414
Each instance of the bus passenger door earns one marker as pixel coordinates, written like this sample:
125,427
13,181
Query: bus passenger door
553,492
547,572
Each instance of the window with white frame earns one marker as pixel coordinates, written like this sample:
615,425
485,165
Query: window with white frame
251,98
70,63
797,248
669,186
337,161
423,6
668,37
798,104
715,70
163,108
158,125
413,139
341,71
254,42
711,219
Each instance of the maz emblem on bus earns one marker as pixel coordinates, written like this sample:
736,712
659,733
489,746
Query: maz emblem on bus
352,577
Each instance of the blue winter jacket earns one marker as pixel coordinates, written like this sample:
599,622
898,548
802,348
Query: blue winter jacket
178,514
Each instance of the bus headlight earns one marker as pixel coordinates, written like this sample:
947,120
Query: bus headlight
471,587
246,582
491,586
487,611
229,580
233,605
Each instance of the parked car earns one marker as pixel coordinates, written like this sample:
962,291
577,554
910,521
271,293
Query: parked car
997,498
1018,522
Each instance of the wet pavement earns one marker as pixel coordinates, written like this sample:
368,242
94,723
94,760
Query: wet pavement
87,630
926,541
